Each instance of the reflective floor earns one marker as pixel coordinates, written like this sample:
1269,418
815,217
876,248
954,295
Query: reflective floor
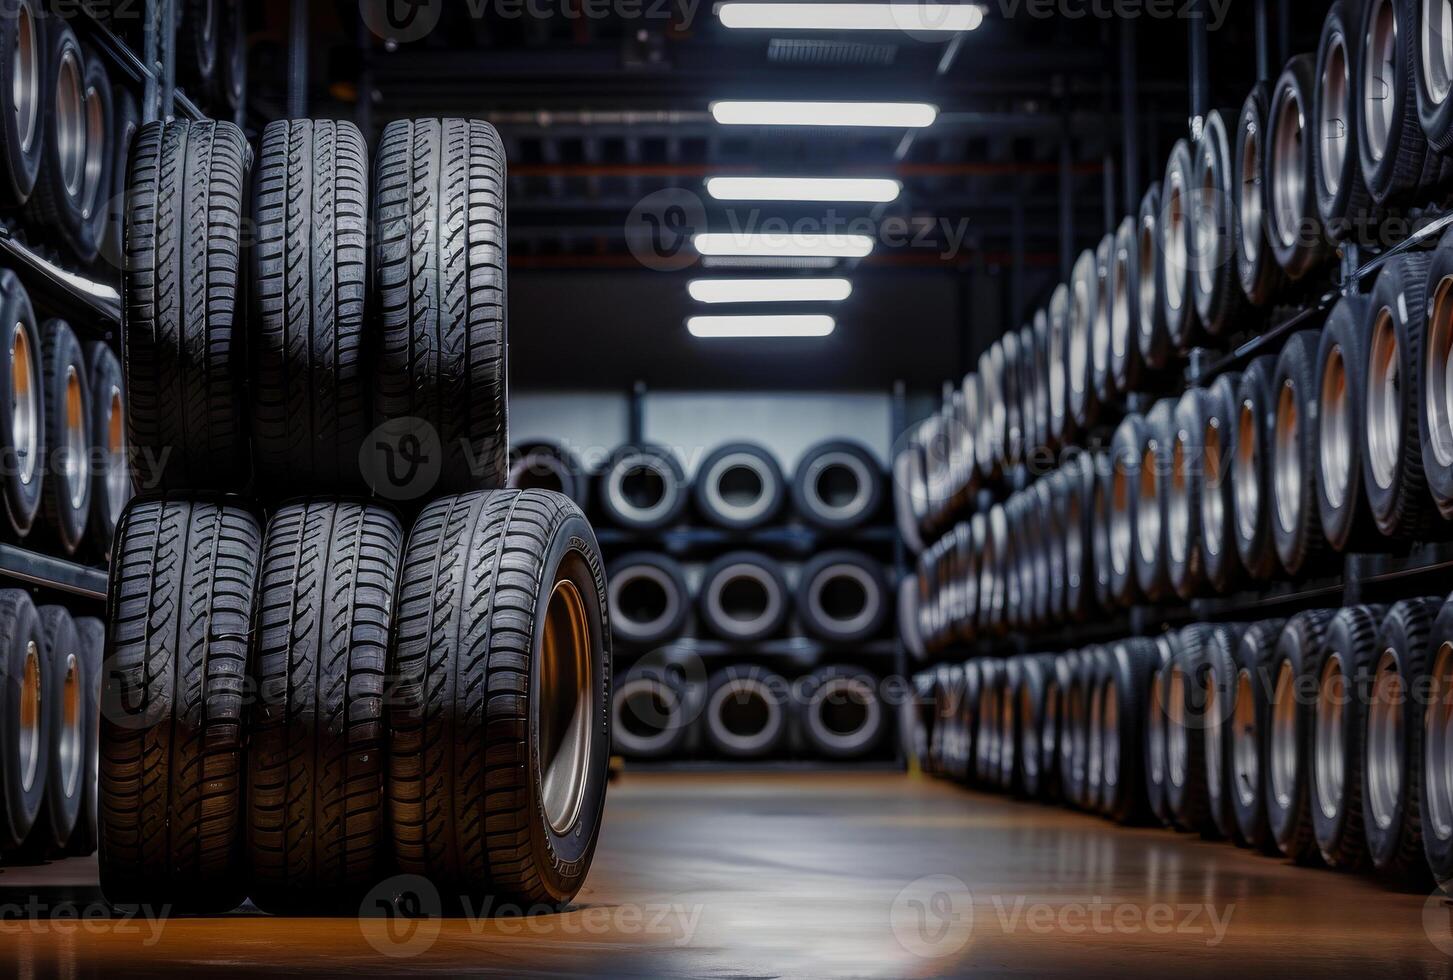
794,875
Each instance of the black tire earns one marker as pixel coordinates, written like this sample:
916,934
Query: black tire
746,712
1157,718
110,479
1220,303
967,541
1100,330
172,719
1127,458
1395,156
65,683
309,279
648,598
1343,200
1251,476
1082,403
544,465
1297,525
739,486
1053,506
651,713
439,276
1039,513
1031,682
1435,417
1249,749
985,719
1057,340
642,488
101,157
992,431
1124,684
1053,727
22,408
315,755
1429,757
910,497
838,486
1185,785
1256,267
27,753
963,719
744,597
1153,338
1125,363
1042,438
92,633
1099,572
1079,547
68,418
1152,567
1294,226
842,597
842,715
1392,461
22,71
1011,449
1340,673
1025,382
1434,73
182,335
1341,380
1086,742
125,124
1286,780
1218,686
907,618
1393,775
1006,737
1177,248
57,206
490,582
1219,554
1068,717
1185,563
198,27
232,61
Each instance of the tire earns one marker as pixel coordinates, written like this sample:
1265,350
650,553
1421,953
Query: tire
1041,439
182,591
92,633
439,276
198,24
744,597
1341,379
963,720
1286,780
1028,383
944,703
1152,569
1103,380
97,177
1219,554
1071,706
22,408
648,599
489,583
1099,572
1185,785
985,739
545,465
1012,447
1127,459
739,486
907,619
1256,267
66,388
182,344
57,208
1040,511
65,683
1251,469
1177,248
1220,304
1298,239
642,488
1077,487
1082,404
1061,426
842,597
967,541
110,480
1153,338
651,713
27,682
1391,765
1006,711
1156,719
922,723
1392,463
1052,510
966,445
1343,201
1435,419
309,272
1086,762
232,61
1054,725
1297,528
1249,749
746,712
993,425
22,72
315,754
1392,146
1432,773
843,716
1031,682
1125,363
1342,671
1218,685
838,486
1186,490
910,497
125,124
1095,734
1123,688
1434,73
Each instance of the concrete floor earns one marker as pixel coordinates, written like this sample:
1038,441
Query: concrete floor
808,875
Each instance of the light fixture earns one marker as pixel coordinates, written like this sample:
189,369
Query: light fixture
874,190
817,262
902,115
786,243
769,290
798,325
931,17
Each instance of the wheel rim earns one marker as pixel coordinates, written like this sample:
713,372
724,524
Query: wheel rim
1110,740
1288,467
1207,227
737,487
1438,745
1246,482
1251,190
1384,761
1288,177
24,404
118,481
1379,57
1157,725
72,751
1177,748
30,715
1439,393
1335,449
25,84
1284,750
70,123
1147,513
1213,503
1120,535
1176,240
565,706
1334,130
1178,506
839,484
1328,760
1211,738
1437,43
95,156
1384,403
1245,760
78,463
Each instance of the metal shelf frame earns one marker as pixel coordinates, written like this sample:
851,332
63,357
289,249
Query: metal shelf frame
49,572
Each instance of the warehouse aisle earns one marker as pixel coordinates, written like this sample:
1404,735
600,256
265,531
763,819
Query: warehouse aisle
820,875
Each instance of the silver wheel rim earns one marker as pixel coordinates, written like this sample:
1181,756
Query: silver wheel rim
1334,130
25,84
1288,177
1285,755
24,404
1211,739
1437,44
1384,404
70,124
1288,468
1329,761
1147,298
1379,80
95,157
650,703
1177,749
1207,226
1110,740
118,481
1439,391
1335,450
622,611
1245,760
765,613
1438,745
78,445
738,486
30,715
832,466
1178,504
1147,512
72,751
1246,483
1384,762
1213,503
1177,243
566,722
1251,191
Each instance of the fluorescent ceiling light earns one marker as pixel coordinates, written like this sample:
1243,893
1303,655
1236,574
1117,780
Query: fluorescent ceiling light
838,246
769,290
768,262
874,190
909,115
912,16
806,325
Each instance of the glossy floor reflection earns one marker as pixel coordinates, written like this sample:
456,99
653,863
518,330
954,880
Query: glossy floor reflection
822,876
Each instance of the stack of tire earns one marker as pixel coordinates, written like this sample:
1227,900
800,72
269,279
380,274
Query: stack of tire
1322,738
290,703
211,55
